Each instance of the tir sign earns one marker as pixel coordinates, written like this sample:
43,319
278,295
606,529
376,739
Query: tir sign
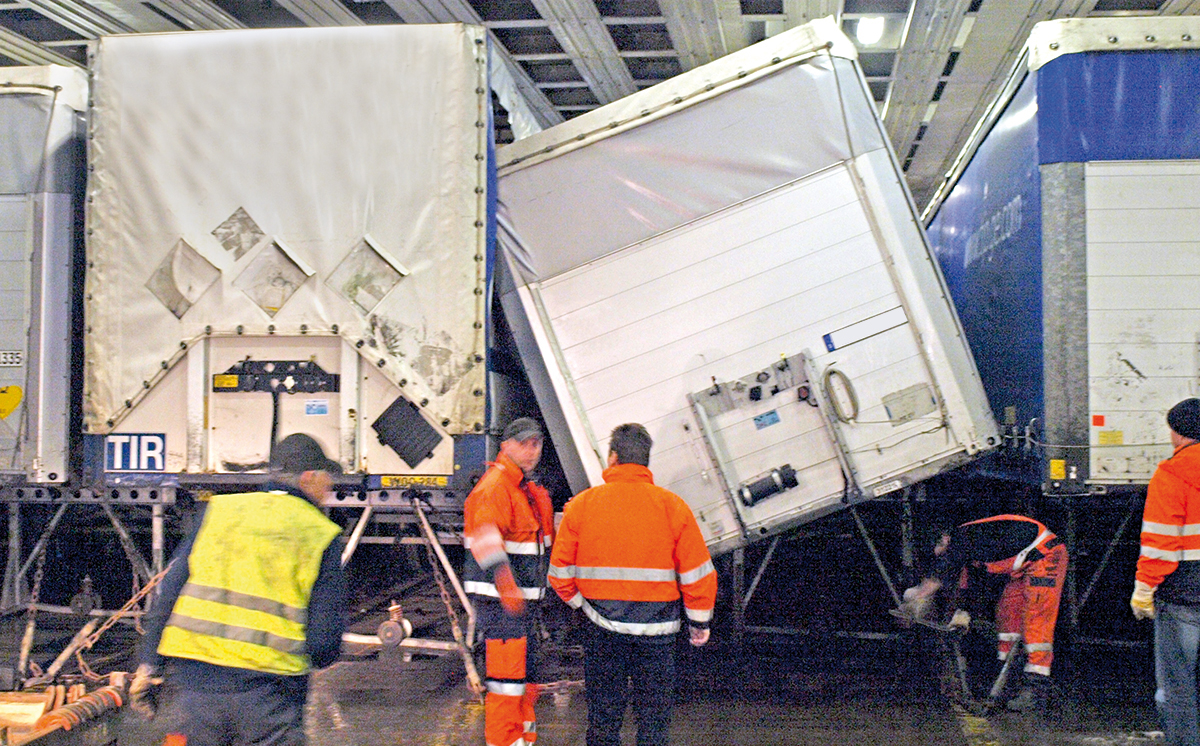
128,452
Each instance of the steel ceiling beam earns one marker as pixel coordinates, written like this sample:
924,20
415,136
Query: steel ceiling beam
1181,8
132,13
80,17
933,27
1072,9
197,15
802,11
321,12
703,30
28,52
582,34
997,38
532,104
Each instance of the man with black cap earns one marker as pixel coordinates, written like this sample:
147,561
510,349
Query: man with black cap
252,600
1167,587
508,526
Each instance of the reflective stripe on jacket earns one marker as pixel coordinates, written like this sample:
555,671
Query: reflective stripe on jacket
507,519
627,551
251,574
1014,563
1171,522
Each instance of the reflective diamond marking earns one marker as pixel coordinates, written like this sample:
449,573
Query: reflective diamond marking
271,278
239,233
366,275
182,278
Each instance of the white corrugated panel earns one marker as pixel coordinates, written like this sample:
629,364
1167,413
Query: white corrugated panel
702,271
41,169
639,330
1143,259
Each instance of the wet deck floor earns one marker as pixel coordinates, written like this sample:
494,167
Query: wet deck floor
723,699
818,690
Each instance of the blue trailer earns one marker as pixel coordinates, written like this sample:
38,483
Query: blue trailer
1067,234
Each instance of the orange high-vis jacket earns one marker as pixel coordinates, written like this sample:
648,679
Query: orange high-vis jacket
627,551
507,520
1171,519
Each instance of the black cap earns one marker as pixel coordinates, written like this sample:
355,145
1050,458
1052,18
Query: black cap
522,429
1184,418
298,453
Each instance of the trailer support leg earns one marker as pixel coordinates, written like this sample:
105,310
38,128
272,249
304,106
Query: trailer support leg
887,578
907,541
11,596
954,649
762,567
438,556
42,541
156,538
998,687
1072,543
136,560
1108,552
356,535
739,599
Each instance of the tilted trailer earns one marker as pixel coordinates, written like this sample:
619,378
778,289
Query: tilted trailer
732,258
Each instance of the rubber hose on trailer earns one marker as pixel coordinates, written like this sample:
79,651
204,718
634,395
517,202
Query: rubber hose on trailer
827,379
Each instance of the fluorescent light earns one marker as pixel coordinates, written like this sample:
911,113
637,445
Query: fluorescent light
869,30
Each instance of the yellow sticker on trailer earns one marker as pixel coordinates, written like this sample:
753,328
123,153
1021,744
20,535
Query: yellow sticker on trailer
10,399
1112,437
1058,468
413,480
225,381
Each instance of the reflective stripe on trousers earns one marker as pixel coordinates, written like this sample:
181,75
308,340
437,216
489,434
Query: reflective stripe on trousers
509,648
1028,609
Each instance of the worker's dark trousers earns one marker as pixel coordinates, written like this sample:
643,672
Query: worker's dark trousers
618,668
268,715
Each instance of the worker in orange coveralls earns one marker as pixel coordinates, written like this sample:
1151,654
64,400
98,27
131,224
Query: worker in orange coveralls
1035,561
508,526
1167,586
627,552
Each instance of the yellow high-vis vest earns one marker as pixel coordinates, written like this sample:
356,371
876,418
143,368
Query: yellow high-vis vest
251,573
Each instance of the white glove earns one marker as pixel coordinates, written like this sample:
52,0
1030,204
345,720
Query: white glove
911,593
142,691
698,636
960,620
917,607
1142,600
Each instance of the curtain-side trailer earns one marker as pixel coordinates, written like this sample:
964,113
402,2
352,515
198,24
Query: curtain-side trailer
1067,234
297,248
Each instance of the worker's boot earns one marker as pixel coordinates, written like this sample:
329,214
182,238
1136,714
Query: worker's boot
1033,697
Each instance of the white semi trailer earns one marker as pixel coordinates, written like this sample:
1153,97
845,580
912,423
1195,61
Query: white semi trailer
1067,235
286,232
732,258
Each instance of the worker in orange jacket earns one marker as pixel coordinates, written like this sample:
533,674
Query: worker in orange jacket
1035,561
627,551
508,526
1167,587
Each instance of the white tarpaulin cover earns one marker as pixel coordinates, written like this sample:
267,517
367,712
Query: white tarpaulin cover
289,181
792,122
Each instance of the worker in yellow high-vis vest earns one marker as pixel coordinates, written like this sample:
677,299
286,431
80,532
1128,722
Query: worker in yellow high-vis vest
252,601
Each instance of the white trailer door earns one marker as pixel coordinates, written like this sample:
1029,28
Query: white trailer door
729,301
1143,265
